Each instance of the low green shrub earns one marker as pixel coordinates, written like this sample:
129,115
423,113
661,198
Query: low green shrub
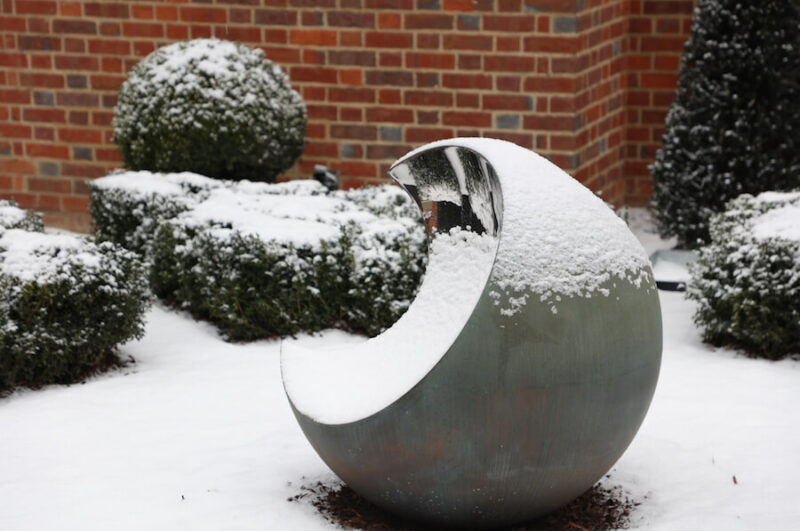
747,280
260,259
213,107
65,304
127,207
260,264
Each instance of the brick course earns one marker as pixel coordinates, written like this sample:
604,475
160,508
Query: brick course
584,82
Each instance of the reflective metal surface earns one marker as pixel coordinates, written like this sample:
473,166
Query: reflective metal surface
521,414
454,187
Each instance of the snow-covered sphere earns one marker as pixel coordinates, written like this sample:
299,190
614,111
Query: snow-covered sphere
212,107
523,368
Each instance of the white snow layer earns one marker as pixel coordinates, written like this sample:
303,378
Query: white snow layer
37,256
299,220
198,435
558,239
144,183
343,384
782,222
10,215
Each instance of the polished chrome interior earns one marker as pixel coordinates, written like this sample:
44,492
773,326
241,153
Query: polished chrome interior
454,187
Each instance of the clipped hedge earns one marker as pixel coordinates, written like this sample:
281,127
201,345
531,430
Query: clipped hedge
209,106
747,280
65,304
261,260
127,207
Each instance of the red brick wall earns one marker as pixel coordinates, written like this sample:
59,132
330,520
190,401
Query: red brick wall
586,82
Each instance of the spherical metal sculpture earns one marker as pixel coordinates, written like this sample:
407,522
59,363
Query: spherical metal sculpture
529,386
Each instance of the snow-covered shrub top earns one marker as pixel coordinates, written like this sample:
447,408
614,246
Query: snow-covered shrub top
42,258
557,239
389,201
747,280
65,303
299,187
296,213
300,212
345,384
303,221
781,220
127,207
145,183
769,215
213,107
13,217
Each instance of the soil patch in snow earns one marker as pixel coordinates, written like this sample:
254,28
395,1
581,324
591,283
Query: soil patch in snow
598,509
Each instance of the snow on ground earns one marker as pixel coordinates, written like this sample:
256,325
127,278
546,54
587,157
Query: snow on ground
198,435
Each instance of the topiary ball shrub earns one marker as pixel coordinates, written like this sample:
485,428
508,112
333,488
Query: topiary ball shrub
734,126
13,217
747,280
65,304
211,107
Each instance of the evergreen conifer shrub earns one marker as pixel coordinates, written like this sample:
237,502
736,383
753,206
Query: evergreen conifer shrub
747,280
734,126
211,107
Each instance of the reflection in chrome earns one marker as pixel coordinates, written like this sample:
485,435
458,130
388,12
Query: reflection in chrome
454,187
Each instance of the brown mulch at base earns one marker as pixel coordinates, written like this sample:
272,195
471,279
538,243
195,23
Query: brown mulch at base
598,509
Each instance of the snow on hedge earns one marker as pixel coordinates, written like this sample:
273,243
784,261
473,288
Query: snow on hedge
13,217
231,251
66,303
747,280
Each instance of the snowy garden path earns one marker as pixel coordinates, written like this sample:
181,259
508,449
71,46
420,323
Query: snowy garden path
198,435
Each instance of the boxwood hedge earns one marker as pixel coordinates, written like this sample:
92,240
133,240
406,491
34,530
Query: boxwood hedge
261,260
747,280
65,304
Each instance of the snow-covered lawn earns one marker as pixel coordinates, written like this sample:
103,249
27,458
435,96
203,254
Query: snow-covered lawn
198,434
